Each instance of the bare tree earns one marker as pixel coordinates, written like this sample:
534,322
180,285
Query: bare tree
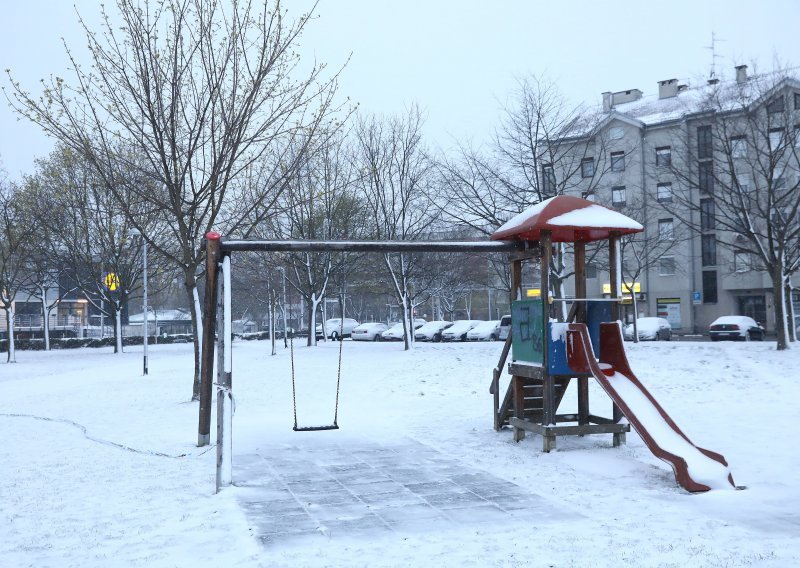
544,147
199,94
742,178
15,250
396,179
90,235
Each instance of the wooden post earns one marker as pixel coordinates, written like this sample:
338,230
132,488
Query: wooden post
549,388
614,277
580,317
224,378
207,353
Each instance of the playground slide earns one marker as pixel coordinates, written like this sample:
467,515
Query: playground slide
696,469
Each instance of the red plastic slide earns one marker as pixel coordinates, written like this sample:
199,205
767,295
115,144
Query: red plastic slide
696,469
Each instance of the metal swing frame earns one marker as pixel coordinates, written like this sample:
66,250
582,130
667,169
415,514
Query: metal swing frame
217,319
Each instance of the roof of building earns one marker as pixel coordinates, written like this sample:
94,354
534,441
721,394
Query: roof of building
569,219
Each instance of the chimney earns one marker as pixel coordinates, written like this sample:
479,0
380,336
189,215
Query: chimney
607,101
668,88
741,74
625,96
713,81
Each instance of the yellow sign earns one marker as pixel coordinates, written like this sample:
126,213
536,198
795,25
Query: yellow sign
533,293
111,281
626,288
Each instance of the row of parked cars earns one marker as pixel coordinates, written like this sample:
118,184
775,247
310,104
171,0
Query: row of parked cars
735,328
459,330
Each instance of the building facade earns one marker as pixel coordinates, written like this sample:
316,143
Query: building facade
678,162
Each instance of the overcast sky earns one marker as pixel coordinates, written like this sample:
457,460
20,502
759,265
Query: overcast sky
458,59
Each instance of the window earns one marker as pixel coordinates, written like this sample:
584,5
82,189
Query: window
587,167
779,179
618,195
744,182
705,180
591,270
664,193
704,144
616,133
664,157
710,287
708,248
797,101
548,179
666,266
797,135
776,106
617,161
775,139
742,261
666,231
739,147
707,215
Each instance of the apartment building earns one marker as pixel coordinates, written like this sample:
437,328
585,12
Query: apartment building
678,161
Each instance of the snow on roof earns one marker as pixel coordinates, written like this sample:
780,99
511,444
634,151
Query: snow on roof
161,315
596,216
568,219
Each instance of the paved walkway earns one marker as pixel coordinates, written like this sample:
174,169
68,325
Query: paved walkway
365,489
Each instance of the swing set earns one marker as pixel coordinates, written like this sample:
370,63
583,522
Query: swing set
217,319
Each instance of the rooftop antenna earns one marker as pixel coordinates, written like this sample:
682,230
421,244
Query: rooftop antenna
714,56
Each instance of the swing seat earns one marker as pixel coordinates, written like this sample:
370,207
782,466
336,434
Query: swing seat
315,428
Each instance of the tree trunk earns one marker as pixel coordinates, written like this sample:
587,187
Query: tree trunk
791,317
779,303
635,313
197,328
118,328
12,350
45,318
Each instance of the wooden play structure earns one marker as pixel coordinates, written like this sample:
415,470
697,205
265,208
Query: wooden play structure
548,355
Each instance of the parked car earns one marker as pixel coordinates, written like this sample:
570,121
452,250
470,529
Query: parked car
736,328
650,329
458,331
369,332
432,331
395,333
335,327
485,331
505,327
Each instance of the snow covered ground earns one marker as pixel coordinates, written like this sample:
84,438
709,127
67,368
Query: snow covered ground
100,466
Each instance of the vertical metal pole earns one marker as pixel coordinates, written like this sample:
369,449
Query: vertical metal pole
285,329
207,355
144,299
224,379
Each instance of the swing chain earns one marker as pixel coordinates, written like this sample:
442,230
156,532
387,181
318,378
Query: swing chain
335,425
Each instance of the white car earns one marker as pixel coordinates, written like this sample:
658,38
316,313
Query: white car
650,329
395,333
458,331
485,331
737,328
335,328
432,331
369,332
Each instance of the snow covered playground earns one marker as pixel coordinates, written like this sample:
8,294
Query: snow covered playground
103,469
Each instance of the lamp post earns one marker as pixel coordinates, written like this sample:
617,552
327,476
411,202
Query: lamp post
283,301
145,316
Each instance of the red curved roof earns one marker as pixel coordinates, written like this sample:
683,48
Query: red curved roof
569,219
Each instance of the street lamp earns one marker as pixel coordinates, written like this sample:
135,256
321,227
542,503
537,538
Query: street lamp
136,233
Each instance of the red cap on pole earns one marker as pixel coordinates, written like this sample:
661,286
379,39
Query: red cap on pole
213,236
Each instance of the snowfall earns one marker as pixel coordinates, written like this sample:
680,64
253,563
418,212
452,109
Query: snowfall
100,465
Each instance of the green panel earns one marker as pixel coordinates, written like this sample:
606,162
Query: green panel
527,331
